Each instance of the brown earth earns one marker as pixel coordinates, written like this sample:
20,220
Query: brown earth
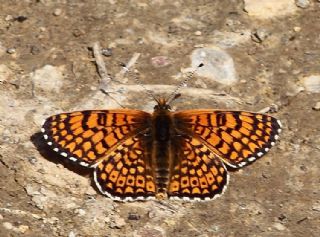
41,195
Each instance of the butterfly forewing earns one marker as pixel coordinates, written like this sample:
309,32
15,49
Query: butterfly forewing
238,137
86,137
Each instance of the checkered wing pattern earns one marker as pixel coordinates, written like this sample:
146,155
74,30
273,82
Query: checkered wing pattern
198,173
88,137
127,175
237,137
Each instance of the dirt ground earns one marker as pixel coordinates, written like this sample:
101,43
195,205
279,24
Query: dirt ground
47,67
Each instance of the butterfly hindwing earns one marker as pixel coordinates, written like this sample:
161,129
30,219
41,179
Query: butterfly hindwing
126,174
198,173
238,137
87,136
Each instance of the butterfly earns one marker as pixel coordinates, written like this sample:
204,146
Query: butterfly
177,155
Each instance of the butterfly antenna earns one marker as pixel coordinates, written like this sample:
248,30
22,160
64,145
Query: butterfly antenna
174,95
137,80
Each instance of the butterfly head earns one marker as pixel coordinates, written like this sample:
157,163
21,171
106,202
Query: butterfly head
162,105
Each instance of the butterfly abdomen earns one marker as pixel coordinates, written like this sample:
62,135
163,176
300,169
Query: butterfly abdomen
162,125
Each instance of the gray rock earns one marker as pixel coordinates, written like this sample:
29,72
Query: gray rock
259,35
302,3
11,50
57,12
265,9
317,106
218,65
279,226
7,225
312,83
23,228
71,234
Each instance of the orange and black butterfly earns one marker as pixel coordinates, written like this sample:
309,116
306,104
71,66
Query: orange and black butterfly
178,155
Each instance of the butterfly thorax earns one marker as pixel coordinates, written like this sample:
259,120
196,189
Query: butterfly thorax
162,128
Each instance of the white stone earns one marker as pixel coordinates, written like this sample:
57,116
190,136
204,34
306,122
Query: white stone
297,28
303,3
71,234
312,83
317,106
48,78
80,212
265,9
279,226
218,65
7,225
23,228
57,12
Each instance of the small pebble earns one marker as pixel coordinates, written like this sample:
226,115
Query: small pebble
23,228
317,106
259,35
297,29
33,160
279,226
9,18
78,32
316,207
71,234
198,33
7,225
302,3
106,52
57,12
34,50
80,212
312,83
11,50
282,217
133,216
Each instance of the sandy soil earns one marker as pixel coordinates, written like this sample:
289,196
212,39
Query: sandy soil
46,67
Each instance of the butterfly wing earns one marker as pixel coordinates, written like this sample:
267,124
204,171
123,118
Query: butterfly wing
127,175
238,137
87,137
198,173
